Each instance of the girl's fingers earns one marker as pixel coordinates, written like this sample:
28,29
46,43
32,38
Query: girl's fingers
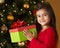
26,31
33,33
24,34
28,34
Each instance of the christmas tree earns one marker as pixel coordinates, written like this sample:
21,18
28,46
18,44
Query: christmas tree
11,11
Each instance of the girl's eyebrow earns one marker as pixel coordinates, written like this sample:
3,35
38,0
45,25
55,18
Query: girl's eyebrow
43,14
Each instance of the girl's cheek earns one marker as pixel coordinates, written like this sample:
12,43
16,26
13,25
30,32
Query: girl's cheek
38,20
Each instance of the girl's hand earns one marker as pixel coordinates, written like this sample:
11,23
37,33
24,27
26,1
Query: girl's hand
28,34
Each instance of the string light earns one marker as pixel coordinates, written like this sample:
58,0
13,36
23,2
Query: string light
42,1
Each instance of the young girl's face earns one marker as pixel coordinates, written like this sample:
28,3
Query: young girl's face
43,17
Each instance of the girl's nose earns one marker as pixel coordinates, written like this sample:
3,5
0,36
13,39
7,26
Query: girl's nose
42,17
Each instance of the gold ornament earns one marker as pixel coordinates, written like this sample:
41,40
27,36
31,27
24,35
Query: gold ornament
10,17
26,5
2,1
4,27
21,43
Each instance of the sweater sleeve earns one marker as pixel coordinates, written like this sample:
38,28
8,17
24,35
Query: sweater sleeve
49,41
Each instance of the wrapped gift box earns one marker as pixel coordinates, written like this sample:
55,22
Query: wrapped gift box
17,33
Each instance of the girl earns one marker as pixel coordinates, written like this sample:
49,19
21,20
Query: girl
46,28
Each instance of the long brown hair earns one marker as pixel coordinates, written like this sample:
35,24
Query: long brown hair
50,11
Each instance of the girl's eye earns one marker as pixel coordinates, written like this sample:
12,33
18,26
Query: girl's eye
38,16
45,15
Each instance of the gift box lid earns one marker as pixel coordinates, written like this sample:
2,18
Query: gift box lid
22,28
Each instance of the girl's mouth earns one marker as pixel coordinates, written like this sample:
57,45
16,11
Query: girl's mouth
42,21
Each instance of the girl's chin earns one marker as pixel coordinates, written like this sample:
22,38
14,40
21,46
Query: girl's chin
43,24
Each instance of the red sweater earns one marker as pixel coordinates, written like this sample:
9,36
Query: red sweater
45,39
